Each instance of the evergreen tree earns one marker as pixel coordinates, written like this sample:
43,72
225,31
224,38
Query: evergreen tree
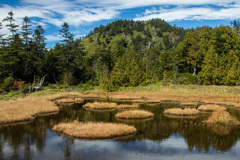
26,32
128,70
11,26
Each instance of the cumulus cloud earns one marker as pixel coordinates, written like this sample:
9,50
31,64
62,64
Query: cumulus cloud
194,13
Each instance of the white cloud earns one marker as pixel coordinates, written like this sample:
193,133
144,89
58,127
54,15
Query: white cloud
126,4
54,37
195,13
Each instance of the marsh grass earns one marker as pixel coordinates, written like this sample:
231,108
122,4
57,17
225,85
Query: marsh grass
65,101
127,106
181,117
182,112
134,114
125,97
25,109
189,104
98,130
222,117
134,120
100,106
211,108
78,100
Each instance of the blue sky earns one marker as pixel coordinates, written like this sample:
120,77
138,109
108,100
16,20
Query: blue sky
84,15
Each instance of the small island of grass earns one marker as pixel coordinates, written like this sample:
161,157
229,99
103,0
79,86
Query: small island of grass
65,101
182,112
126,106
134,114
211,108
100,106
92,130
189,104
222,117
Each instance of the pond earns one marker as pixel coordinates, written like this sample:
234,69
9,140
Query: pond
158,138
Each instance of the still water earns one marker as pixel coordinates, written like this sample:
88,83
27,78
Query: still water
157,138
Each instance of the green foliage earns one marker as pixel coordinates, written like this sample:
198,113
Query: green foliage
187,78
128,70
7,84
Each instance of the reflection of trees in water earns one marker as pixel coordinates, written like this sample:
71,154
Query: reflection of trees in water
203,137
23,136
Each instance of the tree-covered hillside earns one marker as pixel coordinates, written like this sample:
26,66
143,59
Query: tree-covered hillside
123,53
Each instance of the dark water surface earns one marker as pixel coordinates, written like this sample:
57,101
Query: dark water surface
158,138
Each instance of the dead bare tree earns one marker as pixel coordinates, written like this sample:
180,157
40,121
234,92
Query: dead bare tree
37,87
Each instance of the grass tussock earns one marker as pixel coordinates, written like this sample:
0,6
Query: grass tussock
134,114
189,104
25,109
222,117
69,101
125,97
181,117
182,112
78,100
100,106
64,95
127,106
65,101
97,130
211,108
91,95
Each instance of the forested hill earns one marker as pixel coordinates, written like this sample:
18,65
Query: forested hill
155,33
123,53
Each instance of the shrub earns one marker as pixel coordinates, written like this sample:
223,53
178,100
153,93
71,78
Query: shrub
7,84
187,78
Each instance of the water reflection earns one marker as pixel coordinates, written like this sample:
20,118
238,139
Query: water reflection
158,137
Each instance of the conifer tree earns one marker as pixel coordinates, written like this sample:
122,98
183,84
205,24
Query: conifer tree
11,26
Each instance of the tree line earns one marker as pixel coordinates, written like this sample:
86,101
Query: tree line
123,53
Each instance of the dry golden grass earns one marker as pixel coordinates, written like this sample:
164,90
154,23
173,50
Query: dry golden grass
100,105
67,95
125,97
91,95
78,100
189,104
97,130
138,101
25,109
222,117
65,101
182,112
127,106
134,114
211,108
181,117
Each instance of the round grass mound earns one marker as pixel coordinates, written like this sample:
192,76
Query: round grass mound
126,106
222,117
65,101
189,104
182,112
100,106
78,100
211,108
134,114
98,130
